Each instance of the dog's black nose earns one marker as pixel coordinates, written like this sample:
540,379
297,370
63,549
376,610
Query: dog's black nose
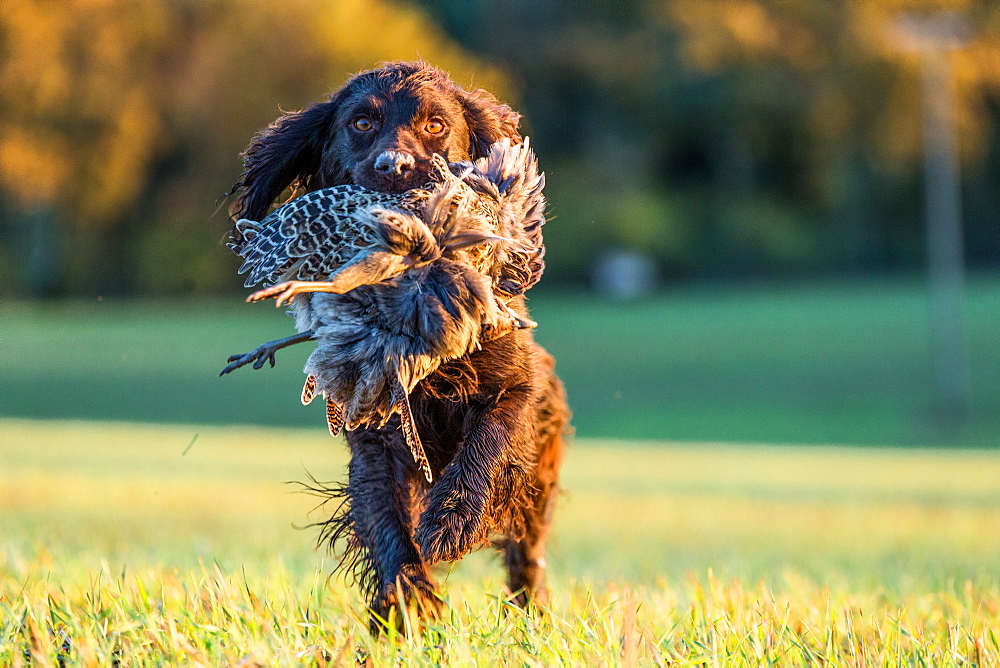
394,162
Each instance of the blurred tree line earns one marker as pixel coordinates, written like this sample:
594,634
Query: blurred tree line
718,137
121,124
740,137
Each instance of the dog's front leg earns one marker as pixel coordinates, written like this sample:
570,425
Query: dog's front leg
484,484
379,490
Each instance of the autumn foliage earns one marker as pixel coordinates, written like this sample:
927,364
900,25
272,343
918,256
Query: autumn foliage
121,123
717,137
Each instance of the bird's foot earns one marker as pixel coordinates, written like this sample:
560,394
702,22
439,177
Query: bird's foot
522,322
258,356
516,320
263,353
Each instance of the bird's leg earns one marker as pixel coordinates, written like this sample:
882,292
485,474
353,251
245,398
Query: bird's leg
365,268
265,352
283,292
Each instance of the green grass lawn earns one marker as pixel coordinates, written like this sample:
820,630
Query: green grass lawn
180,544
841,362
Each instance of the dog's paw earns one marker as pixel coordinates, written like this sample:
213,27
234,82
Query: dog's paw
451,529
413,589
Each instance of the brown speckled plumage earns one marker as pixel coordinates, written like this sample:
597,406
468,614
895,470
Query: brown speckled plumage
314,235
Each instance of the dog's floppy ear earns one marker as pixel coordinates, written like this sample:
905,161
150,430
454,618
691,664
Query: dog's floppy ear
291,149
488,121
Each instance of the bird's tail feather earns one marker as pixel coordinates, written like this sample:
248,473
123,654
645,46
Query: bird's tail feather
308,390
334,417
402,403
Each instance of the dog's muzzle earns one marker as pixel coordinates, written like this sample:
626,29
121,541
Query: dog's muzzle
394,163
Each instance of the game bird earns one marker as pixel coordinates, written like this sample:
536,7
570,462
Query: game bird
392,285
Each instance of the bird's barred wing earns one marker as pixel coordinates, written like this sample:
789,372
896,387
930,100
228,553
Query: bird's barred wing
311,236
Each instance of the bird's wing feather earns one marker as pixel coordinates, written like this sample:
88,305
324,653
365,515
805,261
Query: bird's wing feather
311,236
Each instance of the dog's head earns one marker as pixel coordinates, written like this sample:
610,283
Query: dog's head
379,131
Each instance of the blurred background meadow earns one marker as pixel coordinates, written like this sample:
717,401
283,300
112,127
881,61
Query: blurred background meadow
772,284
739,239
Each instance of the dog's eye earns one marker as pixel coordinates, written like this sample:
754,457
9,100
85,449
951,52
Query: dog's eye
362,124
434,127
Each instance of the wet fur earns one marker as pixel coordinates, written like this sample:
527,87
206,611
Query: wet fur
492,421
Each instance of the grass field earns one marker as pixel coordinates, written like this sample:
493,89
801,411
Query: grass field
831,363
177,544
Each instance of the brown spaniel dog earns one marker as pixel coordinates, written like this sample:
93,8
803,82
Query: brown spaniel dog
492,422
